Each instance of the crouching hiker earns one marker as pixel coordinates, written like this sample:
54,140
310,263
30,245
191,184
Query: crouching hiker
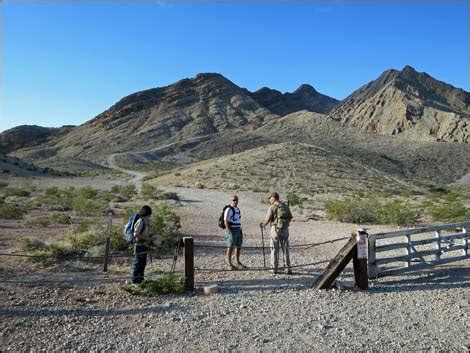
143,241
233,233
279,216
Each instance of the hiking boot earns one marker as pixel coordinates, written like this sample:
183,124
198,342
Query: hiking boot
241,266
274,273
289,272
231,267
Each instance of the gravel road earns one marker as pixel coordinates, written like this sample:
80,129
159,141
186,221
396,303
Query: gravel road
253,310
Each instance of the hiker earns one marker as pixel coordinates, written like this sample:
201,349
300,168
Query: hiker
233,233
279,216
142,243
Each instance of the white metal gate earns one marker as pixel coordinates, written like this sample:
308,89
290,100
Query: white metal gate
417,248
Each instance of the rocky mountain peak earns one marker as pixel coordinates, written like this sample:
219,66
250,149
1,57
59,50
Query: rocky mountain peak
303,98
408,101
305,89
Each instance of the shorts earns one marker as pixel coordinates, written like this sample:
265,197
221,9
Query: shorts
234,237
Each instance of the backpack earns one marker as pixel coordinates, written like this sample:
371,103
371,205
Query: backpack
282,216
221,217
129,228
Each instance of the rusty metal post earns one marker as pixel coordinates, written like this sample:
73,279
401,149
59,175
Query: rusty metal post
189,263
360,259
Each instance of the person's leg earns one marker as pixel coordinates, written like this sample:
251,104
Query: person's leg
228,259
274,245
285,251
140,261
229,255
238,241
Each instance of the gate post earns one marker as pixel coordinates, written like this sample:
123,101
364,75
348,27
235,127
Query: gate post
360,259
188,263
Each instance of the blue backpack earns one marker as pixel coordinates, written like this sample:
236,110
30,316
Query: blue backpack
129,229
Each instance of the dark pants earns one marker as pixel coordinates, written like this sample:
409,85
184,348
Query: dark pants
140,261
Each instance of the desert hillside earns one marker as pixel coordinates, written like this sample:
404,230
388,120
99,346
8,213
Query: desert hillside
408,101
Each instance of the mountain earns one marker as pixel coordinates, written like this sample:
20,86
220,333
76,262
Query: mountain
408,102
206,104
304,98
28,135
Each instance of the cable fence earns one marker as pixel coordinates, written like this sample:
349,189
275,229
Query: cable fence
176,249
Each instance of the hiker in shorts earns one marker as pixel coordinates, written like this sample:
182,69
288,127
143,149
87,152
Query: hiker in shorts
279,216
233,233
142,244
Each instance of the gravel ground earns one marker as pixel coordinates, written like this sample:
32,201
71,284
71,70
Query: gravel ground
253,311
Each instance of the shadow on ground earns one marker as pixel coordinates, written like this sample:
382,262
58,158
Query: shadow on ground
435,279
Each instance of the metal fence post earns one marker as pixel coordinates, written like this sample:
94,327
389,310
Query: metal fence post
408,249
372,270
465,242
108,236
188,263
360,259
438,243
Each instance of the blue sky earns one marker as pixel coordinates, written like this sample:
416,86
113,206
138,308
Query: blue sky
64,63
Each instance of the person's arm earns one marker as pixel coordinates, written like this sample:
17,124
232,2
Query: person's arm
227,223
268,219
139,228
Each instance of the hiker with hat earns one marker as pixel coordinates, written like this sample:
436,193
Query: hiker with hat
233,232
279,216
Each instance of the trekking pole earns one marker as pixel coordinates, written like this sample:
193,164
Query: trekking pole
262,240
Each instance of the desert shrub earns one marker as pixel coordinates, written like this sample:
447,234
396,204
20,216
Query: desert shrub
60,249
8,211
85,240
168,195
293,198
45,254
153,192
167,284
58,199
87,192
60,218
165,223
396,212
86,207
52,192
42,258
126,191
148,190
352,210
371,211
449,212
3,184
117,242
39,222
15,192
96,251
28,244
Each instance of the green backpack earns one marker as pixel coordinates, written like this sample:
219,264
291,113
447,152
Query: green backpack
282,216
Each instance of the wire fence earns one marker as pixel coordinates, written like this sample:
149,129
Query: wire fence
106,278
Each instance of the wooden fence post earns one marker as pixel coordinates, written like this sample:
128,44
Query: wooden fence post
360,259
189,263
108,236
